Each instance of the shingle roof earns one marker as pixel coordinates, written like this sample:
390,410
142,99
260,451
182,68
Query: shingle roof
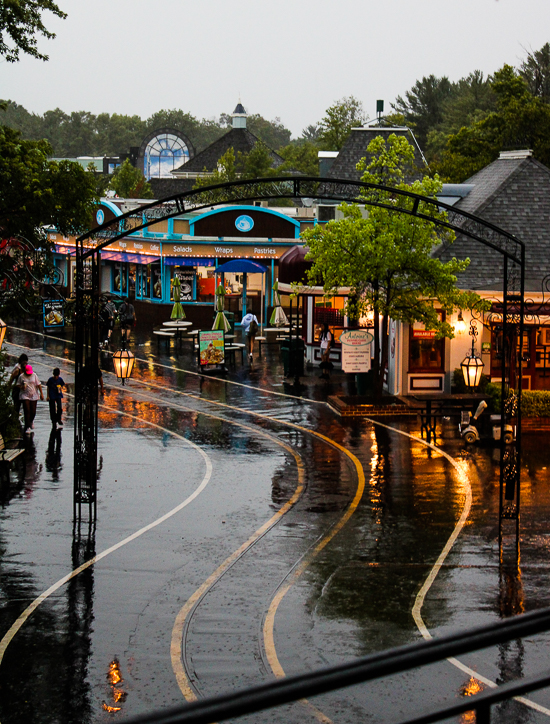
240,139
355,148
513,194
164,187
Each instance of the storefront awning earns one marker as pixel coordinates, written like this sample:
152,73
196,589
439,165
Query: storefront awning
241,266
187,261
131,258
62,249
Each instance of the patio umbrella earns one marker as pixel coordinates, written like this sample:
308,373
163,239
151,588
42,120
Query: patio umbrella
177,309
221,321
278,317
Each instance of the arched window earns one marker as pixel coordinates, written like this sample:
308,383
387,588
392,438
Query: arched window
164,152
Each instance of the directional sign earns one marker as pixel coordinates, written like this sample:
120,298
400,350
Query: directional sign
356,352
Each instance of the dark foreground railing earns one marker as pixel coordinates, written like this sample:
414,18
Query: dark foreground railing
395,661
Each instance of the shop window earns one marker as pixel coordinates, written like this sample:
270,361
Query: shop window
156,281
426,353
120,279
187,279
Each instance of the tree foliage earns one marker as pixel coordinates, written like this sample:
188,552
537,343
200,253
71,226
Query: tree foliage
338,121
535,71
128,182
520,120
423,105
20,22
385,257
36,194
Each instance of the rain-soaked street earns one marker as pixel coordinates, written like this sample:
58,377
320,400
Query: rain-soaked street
245,532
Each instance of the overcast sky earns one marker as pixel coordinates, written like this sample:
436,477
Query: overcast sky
285,58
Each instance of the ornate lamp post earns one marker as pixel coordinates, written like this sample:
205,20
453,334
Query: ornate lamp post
472,366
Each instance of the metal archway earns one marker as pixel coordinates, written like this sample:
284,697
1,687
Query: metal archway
511,249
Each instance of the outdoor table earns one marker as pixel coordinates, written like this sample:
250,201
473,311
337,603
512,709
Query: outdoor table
231,349
436,405
177,323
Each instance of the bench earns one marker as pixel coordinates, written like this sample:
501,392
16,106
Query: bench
8,454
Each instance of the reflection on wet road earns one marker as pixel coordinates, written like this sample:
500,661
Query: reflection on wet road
284,562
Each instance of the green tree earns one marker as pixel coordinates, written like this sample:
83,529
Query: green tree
535,71
20,22
423,105
520,120
36,194
385,257
128,182
338,121
302,157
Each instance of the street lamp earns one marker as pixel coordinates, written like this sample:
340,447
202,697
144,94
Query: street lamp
472,366
123,361
3,327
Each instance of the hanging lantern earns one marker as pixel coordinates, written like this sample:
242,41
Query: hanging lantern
3,327
123,361
472,366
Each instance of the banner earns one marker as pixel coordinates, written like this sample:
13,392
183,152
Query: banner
356,352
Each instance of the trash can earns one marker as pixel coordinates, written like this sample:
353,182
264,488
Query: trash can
292,354
231,319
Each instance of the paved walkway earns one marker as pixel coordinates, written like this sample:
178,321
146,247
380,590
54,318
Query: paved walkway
192,469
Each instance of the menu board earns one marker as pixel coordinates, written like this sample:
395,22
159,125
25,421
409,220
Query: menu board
212,347
53,313
356,352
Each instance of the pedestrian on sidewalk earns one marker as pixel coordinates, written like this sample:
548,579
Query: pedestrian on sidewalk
54,395
107,319
249,325
15,389
30,390
127,318
326,343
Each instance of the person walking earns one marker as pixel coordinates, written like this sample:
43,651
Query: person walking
54,395
249,325
15,389
127,318
326,342
107,319
30,389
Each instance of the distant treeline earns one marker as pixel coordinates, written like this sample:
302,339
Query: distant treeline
84,134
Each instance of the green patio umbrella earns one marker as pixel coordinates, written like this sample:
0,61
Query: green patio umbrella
177,309
221,321
278,317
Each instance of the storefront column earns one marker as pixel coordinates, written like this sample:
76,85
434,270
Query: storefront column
245,280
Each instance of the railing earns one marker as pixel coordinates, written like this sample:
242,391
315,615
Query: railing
387,663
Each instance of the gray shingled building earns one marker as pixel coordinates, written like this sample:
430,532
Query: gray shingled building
513,192
239,138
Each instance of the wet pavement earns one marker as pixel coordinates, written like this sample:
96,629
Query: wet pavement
236,541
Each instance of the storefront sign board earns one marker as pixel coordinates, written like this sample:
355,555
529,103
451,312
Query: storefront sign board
356,350
211,347
53,313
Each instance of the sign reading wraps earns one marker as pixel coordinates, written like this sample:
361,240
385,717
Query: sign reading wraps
212,347
356,352
53,312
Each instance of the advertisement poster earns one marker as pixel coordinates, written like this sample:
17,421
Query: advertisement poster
356,352
53,311
186,290
212,347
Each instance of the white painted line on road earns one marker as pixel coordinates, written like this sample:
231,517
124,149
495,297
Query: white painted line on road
421,595
15,627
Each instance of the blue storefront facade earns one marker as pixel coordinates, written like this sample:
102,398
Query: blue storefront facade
192,246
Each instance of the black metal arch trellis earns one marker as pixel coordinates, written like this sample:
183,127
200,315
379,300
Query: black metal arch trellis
511,249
